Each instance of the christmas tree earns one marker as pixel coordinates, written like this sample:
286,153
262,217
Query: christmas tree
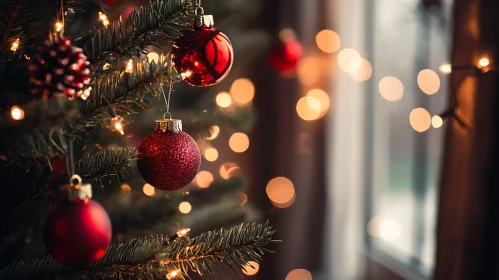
72,103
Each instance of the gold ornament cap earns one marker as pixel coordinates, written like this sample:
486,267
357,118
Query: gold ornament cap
78,190
172,125
201,19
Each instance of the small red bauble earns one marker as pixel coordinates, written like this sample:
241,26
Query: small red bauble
169,158
77,233
205,53
284,57
58,69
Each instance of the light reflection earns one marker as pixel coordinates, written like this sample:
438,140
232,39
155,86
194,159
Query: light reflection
384,229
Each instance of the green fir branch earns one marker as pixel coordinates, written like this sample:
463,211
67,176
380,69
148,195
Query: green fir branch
156,257
124,91
158,24
108,167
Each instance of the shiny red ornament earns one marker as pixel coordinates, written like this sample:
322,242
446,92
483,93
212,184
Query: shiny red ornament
168,160
284,57
77,233
110,2
205,53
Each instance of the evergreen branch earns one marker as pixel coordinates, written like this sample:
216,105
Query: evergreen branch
108,167
12,10
156,257
162,21
123,91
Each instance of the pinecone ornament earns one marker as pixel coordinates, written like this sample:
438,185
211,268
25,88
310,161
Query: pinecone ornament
59,69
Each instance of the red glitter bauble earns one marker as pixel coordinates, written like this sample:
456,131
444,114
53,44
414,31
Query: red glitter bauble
167,160
77,233
284,57
205,53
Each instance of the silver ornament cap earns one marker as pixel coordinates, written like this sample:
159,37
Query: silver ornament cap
201,19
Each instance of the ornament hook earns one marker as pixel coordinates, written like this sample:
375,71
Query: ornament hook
201,10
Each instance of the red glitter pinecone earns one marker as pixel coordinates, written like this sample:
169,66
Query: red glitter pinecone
59,69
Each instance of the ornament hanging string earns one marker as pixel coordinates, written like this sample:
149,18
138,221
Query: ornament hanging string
167,100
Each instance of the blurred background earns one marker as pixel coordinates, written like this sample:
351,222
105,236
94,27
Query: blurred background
328,126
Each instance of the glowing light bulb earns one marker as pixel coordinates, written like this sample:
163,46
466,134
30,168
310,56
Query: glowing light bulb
183,232
251,268
172,274
185,207
223,100
211,154
437,121
483,62
125,188
188,74
117,124
445,68
15,45
17,113
58,26
148,190
86,93
103,18
129,67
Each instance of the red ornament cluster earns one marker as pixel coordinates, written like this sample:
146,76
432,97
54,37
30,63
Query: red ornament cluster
168,160
77,233
58,68
205,53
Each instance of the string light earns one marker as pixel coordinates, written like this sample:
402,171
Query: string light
428,81
328,41
228,169
148,190
117,124
17,113
445,68
106,66
214,132
185,207
251,268
223,100
172,274
391,88
15,45
203,179
211,154
86,93
420,119
125,188
183,232
242,92
239,142
129,67
437,121
103,18
483,62
281,192
299,274
58,26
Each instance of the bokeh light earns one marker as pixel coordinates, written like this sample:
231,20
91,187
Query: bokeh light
428,81
239,142
17,113
323,100
437,121
280,190
223,99
391,88
211,154
228,169
349,60
184,207
364,72
299,274
148,190
328,41
242,92
309,70
384,228
153,56
203,179
214,132
125,188
483,62
251,268
309,108
420,119
445,68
